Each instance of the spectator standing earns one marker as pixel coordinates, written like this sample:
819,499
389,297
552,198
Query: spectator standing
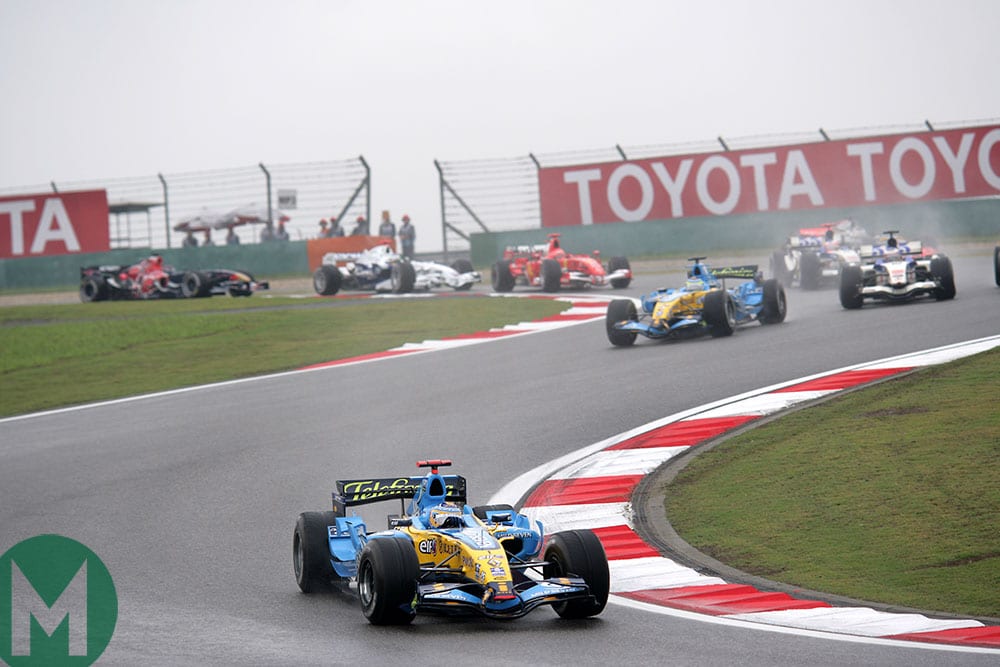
388,227
267,234
336,231
232,238
407,235
360,227
322,229
281,234
189,241
208,238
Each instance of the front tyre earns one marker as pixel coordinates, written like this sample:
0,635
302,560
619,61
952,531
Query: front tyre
617,264
943,273
579,553
311,551
551,275
719,313
775,305
850,287
327,280
387,581
620,310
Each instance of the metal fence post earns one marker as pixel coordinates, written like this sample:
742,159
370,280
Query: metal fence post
166,208
270,221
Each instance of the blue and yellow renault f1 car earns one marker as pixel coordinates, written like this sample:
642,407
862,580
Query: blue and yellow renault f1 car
441,555
703,305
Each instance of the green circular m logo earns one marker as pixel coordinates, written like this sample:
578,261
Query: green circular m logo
58,604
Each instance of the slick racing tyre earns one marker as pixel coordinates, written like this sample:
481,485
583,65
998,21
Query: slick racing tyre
579,553
620,310
387,581
194,285
996,265
945,276
402,277
551,275
311,551
719,313
775,305
850,287
502,278
327,280
93,289
616,264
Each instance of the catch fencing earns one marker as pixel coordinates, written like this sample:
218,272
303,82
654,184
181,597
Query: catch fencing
144,211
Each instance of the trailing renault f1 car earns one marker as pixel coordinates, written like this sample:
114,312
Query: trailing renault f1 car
442,556
815,256
550,267
703,305
152,279
381,269
896,271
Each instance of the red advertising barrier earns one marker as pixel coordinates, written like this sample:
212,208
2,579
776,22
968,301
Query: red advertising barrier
893,169
61,223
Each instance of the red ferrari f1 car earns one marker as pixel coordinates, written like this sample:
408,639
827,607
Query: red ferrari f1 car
550,267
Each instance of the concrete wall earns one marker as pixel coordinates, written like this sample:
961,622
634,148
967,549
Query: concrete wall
929,222
262,260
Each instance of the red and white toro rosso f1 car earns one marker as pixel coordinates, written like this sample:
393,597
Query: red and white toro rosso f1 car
550,267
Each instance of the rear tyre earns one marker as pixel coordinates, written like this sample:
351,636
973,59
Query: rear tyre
311,551
620,310
403,277
502,278
775,305
996,265
387,581
616,264
93,289
719,313
327,280
194,285
850,287
579,553
551,275
943,273
810,270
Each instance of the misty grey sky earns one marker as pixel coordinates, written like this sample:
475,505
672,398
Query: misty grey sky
116,88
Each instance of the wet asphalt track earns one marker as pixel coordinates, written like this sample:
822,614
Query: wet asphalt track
190,498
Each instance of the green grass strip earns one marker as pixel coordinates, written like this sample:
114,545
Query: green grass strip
54,356
889,494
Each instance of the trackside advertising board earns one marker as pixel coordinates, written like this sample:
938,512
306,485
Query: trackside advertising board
869,171
61,223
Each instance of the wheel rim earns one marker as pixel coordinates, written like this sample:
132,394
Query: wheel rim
366,584
299,557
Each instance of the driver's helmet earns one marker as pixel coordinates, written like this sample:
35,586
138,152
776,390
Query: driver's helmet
446,515
892,242
694,285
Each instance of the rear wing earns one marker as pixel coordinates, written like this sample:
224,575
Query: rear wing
746,272
905,248
354,492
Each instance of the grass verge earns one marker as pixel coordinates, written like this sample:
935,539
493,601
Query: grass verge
53,356
889,494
